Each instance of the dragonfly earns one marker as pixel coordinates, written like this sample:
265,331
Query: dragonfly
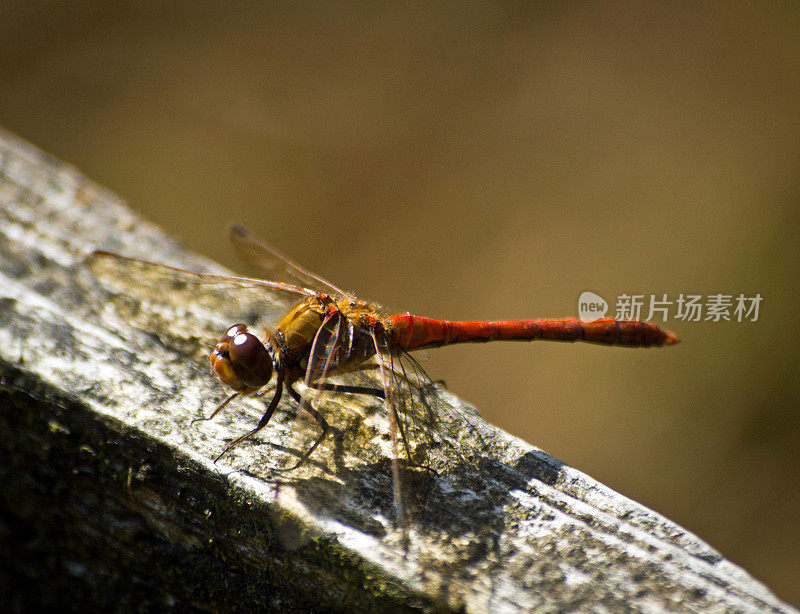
319,331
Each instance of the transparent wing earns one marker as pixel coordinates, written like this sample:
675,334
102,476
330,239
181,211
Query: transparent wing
274,264
177,304
414,403
433,433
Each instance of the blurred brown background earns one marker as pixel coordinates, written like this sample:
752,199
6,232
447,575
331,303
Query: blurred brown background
487,161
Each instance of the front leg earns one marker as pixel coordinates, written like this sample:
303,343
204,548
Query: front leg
273,404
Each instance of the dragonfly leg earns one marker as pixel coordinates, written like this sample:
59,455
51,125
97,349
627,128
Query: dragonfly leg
305,404
403,375
273,404
265,390
217,410
326,387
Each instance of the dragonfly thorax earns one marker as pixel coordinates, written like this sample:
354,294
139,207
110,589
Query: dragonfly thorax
319,327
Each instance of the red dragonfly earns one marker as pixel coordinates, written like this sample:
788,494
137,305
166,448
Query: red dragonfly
328,332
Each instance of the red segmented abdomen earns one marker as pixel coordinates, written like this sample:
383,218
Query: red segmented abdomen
414,332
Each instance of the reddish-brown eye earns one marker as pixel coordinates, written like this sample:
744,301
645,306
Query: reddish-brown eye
250,359
232,332
241,361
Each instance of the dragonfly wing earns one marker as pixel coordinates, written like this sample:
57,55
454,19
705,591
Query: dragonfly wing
276,265
324,349
178,304
415,405
383,356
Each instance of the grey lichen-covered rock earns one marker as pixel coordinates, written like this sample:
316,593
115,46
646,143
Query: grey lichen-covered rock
109,496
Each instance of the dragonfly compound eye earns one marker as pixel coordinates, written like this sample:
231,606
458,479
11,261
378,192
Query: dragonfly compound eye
241,361
233,331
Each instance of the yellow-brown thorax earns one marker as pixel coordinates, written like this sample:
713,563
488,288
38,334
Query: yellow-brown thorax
345,338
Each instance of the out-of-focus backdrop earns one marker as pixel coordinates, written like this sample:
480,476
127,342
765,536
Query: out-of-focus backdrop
472,160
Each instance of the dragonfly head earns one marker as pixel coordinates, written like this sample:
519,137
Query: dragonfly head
241,361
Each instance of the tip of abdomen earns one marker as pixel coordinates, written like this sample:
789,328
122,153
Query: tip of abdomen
670,339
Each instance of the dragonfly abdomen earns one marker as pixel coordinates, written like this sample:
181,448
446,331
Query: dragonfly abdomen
415,332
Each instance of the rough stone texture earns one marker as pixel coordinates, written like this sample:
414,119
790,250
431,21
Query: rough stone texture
109,496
